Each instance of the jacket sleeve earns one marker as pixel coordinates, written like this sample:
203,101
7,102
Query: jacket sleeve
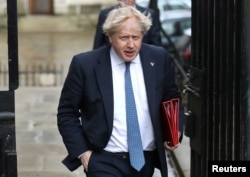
68,116
173,91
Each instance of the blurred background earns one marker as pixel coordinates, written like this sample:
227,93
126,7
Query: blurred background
42,23
50,32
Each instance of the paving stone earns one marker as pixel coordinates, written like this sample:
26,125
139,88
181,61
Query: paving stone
32,162
33,149
48,174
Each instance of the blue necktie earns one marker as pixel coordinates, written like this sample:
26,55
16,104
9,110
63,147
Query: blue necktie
135,149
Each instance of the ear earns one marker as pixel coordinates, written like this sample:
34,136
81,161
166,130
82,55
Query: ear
110,39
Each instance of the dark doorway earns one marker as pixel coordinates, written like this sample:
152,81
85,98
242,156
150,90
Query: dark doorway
41,6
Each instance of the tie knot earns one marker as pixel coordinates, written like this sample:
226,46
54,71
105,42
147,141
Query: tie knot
127,64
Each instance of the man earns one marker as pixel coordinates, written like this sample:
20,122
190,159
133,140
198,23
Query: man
97,103
151,37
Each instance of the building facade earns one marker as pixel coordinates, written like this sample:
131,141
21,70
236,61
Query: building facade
52,7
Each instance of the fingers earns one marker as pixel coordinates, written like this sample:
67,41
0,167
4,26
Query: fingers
169,147
85,159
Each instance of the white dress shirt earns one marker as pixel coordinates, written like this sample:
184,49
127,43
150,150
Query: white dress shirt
118,140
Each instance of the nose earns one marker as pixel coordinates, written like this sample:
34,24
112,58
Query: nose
125,1
130,43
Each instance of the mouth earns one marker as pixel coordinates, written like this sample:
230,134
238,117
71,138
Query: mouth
130,53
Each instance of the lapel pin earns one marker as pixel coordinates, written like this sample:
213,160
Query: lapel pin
152,63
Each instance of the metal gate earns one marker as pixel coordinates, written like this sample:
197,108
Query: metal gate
8,158
218,114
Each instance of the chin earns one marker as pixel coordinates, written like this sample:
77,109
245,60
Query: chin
129,59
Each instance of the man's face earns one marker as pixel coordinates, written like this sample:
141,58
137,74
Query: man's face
127,40
128,2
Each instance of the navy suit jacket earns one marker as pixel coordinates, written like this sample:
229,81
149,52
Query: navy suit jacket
151,37
85,111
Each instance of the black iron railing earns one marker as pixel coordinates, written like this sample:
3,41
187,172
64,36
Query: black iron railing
8,157
218,108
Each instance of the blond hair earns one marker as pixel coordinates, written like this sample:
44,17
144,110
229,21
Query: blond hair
116,18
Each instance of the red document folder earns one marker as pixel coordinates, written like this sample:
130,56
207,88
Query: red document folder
170,118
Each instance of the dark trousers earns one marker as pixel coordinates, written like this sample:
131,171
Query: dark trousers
107,164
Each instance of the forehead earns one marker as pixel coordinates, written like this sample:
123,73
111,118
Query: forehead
131,24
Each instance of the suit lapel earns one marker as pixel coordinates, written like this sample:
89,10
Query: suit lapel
148,65
104,78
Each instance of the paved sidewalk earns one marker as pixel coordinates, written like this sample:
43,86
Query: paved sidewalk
39,145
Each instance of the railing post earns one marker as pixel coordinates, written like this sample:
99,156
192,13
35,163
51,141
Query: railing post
8,157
